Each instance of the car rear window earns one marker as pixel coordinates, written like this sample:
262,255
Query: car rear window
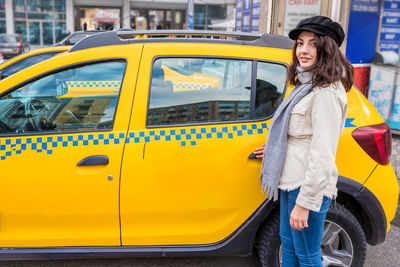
8,39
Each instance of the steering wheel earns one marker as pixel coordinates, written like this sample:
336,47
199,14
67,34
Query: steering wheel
36,113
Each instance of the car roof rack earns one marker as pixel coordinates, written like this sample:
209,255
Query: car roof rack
126,36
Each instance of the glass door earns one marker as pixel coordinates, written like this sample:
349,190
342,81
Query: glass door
41,33
48,33
34,33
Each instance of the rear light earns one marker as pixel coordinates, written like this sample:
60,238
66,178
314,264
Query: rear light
19,43
376,141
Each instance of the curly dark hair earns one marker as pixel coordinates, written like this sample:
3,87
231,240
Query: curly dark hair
331,65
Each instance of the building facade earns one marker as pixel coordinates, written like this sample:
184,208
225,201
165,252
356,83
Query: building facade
46,22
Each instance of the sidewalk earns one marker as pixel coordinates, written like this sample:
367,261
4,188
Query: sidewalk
396,165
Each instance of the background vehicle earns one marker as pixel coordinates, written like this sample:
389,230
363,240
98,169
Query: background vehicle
26,60
74,37
12,45
155,171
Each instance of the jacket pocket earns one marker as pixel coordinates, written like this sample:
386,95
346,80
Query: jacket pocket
297,120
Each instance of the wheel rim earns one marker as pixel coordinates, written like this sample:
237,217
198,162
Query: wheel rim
336,246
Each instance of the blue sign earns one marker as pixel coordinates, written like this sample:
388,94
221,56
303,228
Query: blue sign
390,29
362,31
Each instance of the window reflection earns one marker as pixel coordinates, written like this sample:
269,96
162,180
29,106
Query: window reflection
199,90
188,90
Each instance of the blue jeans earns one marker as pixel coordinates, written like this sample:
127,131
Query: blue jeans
301,248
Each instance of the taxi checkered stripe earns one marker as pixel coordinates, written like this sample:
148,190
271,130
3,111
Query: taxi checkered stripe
93,83
16,146
192,86
187,136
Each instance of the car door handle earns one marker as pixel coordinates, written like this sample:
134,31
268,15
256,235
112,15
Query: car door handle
94,160
253,156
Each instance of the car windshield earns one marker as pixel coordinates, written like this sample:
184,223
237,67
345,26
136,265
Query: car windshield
76,37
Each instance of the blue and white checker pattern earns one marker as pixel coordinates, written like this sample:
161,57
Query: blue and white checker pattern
47,144
190,136
93,84
183,136
190,86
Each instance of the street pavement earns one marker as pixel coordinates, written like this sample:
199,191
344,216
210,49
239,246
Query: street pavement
386,254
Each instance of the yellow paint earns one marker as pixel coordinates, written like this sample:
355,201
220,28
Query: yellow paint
384,185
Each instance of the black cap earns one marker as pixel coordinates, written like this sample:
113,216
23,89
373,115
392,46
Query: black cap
319,25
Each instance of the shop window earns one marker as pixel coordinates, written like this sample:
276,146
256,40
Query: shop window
61,31
59,5
46,20
3,28
20,28
40,5
19,5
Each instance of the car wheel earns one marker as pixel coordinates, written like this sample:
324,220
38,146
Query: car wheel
269,242
343,243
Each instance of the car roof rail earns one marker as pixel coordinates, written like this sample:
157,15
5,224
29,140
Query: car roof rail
125,36
128,34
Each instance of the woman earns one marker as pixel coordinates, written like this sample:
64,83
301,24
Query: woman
299,155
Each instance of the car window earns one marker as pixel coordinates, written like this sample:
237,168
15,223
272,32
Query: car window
27,62
199,90
270,85
77,99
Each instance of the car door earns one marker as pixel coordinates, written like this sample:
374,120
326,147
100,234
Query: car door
61,152
199,113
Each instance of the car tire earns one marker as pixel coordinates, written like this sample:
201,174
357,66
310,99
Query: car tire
343,235
349,239
269,241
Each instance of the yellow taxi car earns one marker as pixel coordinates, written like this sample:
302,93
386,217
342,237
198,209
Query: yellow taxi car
155,171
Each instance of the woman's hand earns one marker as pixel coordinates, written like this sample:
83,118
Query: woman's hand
299,218
259,152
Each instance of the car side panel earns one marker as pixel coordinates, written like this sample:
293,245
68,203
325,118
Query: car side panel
47,199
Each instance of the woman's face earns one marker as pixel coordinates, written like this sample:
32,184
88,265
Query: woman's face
306,51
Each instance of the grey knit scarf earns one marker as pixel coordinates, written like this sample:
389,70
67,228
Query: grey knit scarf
275,147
